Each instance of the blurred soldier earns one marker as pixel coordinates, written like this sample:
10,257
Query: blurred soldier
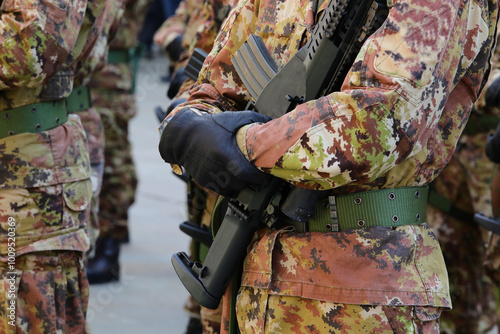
195,25
462,189
388,132
79,102
492,262
45,169
112,95
169,37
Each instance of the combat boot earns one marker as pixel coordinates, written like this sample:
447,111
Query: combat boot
104,266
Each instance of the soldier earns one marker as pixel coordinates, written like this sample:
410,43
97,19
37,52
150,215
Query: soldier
460,190
79,102
170,38
196,25
45,169
112,95
386,134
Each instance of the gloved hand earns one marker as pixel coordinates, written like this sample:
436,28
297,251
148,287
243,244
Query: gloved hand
161,114
493,146
176,82
205,145
175,49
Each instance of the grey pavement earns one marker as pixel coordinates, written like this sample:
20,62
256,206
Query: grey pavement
149,297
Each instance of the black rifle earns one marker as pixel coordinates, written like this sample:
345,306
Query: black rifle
489,223
315,70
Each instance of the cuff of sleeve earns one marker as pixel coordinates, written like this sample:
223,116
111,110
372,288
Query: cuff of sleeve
241,139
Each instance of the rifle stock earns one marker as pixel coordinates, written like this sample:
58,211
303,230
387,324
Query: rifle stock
207,282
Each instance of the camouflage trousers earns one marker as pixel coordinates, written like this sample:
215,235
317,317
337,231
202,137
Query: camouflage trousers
119,184
259,312
46,293
466,182
92,124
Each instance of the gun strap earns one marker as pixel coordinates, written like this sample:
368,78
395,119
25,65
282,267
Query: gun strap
79,99
447,206
385,207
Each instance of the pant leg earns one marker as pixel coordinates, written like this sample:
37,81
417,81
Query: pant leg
259,312
51,293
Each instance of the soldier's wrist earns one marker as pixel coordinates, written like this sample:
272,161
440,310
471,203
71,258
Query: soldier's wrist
241,139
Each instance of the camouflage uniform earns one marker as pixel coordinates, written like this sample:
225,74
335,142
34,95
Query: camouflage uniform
395,123
462,189
198,22
90,118
113,98
177,25
45,172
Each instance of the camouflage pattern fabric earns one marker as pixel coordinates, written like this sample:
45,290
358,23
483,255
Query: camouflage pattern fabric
91,121
46,189
111,88
119,183
52,293
492,261
54,30
45,177
466,182
177,24
261,312
395,123
201,27
199,23
90,118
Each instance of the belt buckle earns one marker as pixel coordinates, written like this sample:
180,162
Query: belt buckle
333,214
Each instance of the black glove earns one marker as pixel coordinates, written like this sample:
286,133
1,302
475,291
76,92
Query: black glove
205,145
492,94
175,49
176,82
161,114
493,146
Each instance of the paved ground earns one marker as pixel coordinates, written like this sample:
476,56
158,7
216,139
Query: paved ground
149,297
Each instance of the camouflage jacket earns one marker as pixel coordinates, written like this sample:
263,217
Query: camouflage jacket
107,26
177,24
395,123
42,43
201,31
119,75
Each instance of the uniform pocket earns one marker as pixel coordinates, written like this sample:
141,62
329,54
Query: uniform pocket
77,196
61,206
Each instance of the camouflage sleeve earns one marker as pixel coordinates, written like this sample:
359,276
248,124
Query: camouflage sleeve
480,106
401,109
130,24
36,37
176,24
97,58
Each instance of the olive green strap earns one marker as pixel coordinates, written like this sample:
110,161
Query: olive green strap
118,56
34,118
447,206
481,124
384,207
132,56
79,99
